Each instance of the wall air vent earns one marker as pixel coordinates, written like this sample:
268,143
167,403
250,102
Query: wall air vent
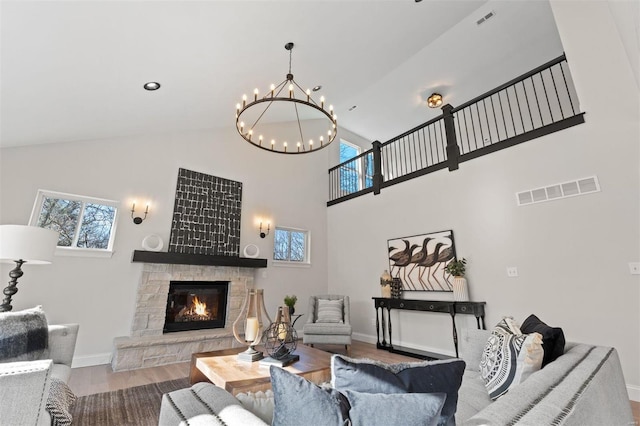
559,190
486,17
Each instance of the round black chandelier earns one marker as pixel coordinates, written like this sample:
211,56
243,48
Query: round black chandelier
287,119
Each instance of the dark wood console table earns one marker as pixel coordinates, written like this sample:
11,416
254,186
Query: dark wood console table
383,326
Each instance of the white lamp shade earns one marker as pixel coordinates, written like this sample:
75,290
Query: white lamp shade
28,243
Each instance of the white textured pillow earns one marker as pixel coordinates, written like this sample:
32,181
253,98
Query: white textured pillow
329,311
507,348
259,403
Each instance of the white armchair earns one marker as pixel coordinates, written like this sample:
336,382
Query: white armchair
328,329
24,386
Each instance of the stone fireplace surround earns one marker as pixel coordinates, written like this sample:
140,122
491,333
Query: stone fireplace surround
147,346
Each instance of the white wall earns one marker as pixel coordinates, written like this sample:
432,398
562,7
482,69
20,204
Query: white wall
571,254
99,293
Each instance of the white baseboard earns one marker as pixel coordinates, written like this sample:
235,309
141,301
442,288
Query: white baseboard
360,337
634,392
91,360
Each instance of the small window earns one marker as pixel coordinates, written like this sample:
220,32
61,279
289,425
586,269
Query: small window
356,174
291,245
86,225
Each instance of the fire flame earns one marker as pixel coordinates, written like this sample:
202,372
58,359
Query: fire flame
199,307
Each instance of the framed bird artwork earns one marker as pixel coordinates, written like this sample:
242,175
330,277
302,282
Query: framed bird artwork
420,261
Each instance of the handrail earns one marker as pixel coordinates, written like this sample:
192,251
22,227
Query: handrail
512,82
536,103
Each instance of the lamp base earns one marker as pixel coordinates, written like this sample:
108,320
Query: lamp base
250,355
12,288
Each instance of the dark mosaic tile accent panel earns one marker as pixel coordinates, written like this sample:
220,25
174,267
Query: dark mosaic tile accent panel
206,215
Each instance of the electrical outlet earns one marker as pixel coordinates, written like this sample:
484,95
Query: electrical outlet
634,268
512,271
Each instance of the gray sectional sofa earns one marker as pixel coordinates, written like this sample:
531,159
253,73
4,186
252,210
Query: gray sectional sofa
585,386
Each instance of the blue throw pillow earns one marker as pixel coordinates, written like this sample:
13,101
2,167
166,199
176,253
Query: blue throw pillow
297,401
414,377
406,409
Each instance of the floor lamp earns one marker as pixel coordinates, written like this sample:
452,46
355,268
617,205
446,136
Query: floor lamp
22,244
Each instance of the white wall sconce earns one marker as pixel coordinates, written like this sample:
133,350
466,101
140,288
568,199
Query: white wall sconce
263,233
137,219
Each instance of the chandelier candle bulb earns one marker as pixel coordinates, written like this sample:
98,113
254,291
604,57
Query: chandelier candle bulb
241,126
308,94
322,102
260,140
250,133
244,101
285,147
298,146
255,95
291,90
273,87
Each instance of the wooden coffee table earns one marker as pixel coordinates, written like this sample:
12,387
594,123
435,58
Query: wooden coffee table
223,369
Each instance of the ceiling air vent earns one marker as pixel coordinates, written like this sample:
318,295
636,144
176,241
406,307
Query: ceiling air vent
486,17
558,191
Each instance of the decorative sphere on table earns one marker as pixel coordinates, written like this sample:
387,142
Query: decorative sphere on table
280,340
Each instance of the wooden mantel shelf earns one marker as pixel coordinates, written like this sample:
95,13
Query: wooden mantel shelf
196,259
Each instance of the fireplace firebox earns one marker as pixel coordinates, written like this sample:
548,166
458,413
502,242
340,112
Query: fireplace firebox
196,305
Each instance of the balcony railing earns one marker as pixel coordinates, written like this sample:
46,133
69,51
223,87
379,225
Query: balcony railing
537,103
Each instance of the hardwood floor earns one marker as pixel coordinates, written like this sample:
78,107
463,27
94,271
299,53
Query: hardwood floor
100,378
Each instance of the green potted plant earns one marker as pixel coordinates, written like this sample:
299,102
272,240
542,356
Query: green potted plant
457,269
290,301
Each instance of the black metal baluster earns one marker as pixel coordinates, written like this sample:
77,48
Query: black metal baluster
504,121
553,80
566,85
535,93
546,95
480,124
513,123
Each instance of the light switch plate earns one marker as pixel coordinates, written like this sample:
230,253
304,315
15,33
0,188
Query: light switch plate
512,271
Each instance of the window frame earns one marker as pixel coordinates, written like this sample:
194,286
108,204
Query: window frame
307,248
77,251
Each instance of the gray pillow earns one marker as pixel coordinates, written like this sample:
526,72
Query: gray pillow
24,335
330,310
408,409
363,375
300,402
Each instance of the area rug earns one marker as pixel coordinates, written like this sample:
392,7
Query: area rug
139,406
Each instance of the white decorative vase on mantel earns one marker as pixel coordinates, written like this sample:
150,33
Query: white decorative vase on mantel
460,290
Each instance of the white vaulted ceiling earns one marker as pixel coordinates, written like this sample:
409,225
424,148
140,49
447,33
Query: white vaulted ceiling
74,70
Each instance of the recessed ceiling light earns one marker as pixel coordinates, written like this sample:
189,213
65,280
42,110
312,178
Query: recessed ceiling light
353,107
318,87
151,86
